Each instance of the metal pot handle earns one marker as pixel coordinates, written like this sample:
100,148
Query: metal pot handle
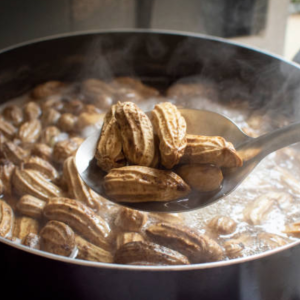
296,58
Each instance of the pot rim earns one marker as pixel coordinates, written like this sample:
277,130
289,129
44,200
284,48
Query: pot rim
135,267
154,31
114,266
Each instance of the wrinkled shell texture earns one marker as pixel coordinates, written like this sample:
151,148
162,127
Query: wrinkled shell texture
14,153
198,248
34,183
109,149
137,134
46,206
6,219
128,237
129,219
79,217
77,188
57,238
24,226
210,150
171,129
30,131
13,114
222,225
145,251
64,149
136,183
31,206
42,166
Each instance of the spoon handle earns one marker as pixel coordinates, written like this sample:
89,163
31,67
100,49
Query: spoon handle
270,142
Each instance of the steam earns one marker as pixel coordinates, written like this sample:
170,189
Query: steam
253,83
102,59
235,81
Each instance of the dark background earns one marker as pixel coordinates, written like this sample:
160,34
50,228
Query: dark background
24,20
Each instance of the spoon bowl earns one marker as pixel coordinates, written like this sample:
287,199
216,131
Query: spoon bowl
199,122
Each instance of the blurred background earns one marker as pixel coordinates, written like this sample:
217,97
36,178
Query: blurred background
272,25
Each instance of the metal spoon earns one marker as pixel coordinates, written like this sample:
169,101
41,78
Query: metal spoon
200,122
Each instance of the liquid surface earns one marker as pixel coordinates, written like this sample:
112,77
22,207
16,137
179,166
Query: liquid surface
259,227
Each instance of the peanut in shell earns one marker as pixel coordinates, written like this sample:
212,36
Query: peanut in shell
201,177
148,252
170,127
31,206
57,238
210,150
137,134
6,219
31,182
25,225
77,189
80,218
109,152
91,252
143,184
198,248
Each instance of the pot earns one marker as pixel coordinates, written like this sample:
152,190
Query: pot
158,58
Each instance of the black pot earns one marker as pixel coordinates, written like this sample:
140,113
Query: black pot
158,58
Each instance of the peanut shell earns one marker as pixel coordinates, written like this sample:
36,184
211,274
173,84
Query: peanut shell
89,251
7,129
203,178
77,189
34,183
25,225
210,150
128,237
170,127
148,252
137,134
198,248
30,131
109,148
6,219
13,114
47,89
14,153
57,238
130,220
32,111
32,240
42,150
6,170
81,218
50,135
62,150
31,206
222,225
142,184
44,167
